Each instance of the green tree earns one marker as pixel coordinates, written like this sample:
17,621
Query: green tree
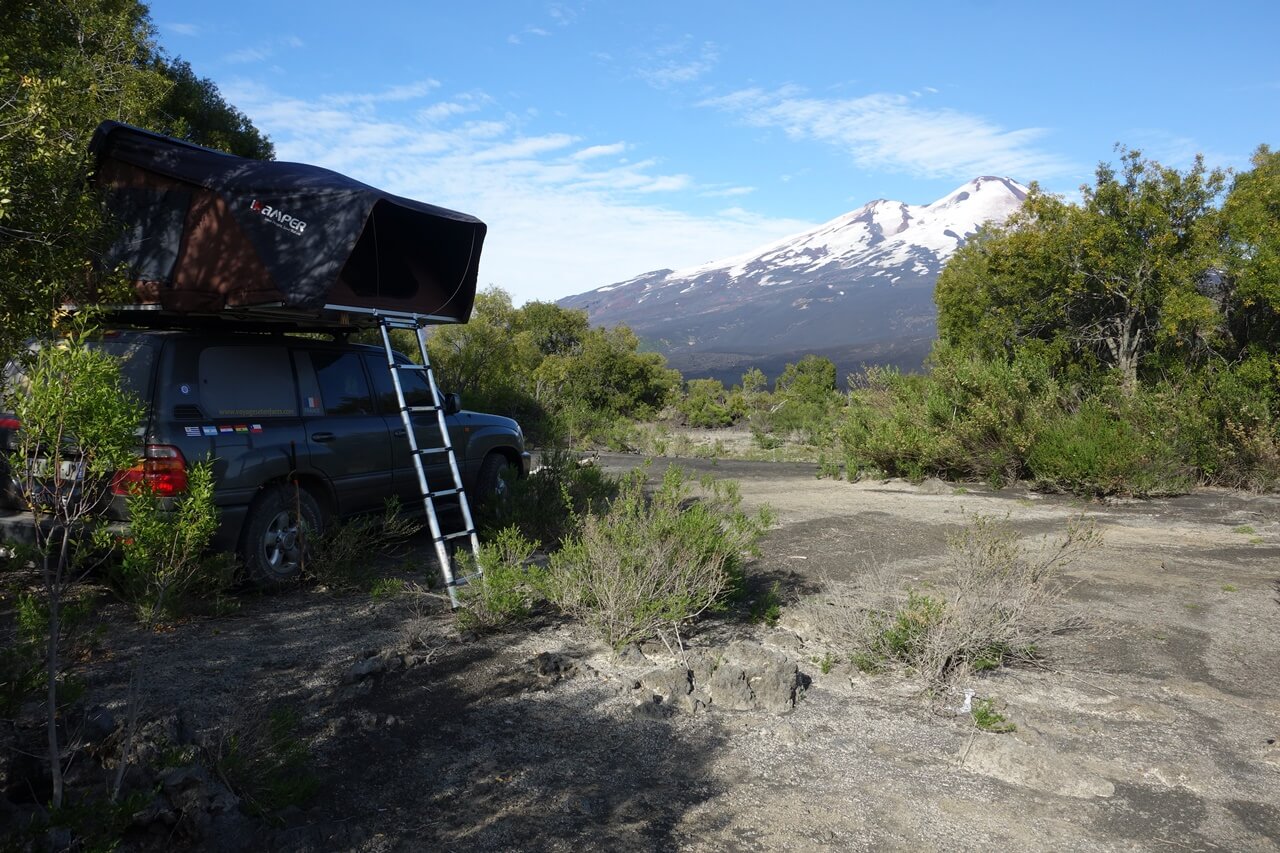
1251,228
77,431
1117,277
812,379
609,375
479,358
194,109
66,66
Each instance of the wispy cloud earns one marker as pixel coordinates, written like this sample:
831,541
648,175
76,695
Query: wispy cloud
1179,151
564,216
182,29
394,94
678,63
728,192
594,151
262,51
248,54
899,133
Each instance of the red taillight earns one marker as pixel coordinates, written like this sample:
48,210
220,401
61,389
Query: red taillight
162,469
9,423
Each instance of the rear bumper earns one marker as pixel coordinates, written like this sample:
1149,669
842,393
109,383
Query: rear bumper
19,527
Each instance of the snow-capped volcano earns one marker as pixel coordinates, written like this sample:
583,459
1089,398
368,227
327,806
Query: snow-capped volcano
858,288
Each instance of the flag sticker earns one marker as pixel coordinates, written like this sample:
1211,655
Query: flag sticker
192,432
255,427
224,429
209,430
242,427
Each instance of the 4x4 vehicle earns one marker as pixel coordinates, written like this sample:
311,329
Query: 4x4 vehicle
275,410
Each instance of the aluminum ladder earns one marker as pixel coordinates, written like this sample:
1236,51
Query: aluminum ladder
441,539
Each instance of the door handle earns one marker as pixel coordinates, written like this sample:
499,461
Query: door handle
400,433
322,436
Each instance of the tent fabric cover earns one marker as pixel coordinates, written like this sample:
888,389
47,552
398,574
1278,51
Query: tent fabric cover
204,231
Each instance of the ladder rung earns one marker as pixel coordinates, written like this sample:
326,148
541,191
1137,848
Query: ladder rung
423,451
409,366
447,536
444,493
416,409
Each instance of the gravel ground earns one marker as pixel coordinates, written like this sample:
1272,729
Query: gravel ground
1154,729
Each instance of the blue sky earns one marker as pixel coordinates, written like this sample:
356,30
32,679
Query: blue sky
600,140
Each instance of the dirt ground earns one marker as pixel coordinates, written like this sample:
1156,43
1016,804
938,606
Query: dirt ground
1156,728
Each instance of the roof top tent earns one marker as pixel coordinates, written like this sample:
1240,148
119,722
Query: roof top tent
211,237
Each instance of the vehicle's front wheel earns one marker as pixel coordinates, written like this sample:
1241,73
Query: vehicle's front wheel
491,482
274,542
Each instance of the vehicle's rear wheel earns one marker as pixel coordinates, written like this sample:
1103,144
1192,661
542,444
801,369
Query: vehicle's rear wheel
274,543
491,482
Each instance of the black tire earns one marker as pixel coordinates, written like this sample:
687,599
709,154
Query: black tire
273,544
491,482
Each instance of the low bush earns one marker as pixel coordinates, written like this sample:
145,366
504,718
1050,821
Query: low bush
987,717
547,506
267,763
653,563
996,605
344,558
509,586
165,568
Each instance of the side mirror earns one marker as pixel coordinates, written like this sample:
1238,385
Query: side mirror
452,404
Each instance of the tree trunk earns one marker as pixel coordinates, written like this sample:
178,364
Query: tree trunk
1126,345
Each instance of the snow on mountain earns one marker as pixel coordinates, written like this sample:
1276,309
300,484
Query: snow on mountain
869,273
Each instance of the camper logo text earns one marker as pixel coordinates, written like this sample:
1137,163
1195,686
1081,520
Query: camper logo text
278,217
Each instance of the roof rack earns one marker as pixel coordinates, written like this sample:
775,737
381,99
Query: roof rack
267,317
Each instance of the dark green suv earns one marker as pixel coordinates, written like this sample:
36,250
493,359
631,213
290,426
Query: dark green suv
272,410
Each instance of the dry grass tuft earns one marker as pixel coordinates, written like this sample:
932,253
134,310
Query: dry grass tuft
996,605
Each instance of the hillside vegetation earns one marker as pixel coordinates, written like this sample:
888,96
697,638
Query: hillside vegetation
1123,343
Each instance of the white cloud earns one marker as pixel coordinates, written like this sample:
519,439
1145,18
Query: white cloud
563,218
247,55
594,151
679,63
728,192
182,29
404,92
261,51
893,132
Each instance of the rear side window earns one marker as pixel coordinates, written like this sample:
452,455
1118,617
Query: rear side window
344,390
137,359
414,383
247,382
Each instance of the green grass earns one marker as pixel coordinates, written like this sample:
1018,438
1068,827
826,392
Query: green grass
987,718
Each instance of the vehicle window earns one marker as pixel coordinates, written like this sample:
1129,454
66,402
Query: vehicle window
247,382
344,390
414,383
137,363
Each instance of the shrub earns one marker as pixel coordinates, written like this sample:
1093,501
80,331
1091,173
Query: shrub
652,564
547,506
165,563
344,557
509,586
969,418
705,404
994,606
989,719
266,763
